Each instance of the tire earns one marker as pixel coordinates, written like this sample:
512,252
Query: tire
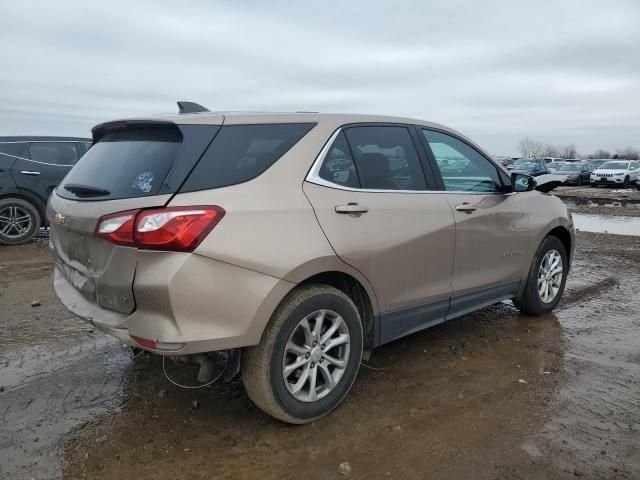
16,215
263,366
579,182
626,181
531,302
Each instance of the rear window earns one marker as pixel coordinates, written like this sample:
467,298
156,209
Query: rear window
242,152
123,164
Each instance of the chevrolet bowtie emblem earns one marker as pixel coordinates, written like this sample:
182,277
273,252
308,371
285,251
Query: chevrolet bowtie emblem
59,218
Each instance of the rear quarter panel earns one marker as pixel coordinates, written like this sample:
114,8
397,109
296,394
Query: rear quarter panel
269,225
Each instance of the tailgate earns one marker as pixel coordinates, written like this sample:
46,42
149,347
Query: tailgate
132,165
100,270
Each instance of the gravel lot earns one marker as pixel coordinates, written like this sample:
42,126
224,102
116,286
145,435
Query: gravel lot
490,395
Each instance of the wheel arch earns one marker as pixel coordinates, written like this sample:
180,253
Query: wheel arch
563,234
357,292
27,196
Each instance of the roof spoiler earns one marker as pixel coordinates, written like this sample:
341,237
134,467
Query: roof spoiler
191,107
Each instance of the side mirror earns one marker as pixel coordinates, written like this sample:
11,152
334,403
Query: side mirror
522,183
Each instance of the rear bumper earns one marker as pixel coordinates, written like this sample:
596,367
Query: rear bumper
181,298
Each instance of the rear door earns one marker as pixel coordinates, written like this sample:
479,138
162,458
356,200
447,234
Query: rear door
44,165
9,153
131,166
492,227
383,218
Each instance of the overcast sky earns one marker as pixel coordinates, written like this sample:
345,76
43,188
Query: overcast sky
558,71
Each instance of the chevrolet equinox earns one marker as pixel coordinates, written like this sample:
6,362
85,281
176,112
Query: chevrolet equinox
296,242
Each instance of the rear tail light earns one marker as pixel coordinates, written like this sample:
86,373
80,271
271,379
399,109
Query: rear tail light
118,227
178,229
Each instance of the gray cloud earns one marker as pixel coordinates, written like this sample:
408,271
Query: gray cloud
565,72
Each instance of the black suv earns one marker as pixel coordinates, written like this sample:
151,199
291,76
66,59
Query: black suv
30,168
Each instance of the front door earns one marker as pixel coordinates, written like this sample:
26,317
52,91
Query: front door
492,225
372,201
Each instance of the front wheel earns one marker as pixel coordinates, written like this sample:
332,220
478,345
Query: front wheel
546,280
626,181
308,356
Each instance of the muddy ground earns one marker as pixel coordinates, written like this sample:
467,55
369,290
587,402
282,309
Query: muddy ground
601,200
490,395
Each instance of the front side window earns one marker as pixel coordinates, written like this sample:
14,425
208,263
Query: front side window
58,153
463,169
385,158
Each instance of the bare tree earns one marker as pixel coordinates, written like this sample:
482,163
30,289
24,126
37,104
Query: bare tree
550,150
628,153
568,151
530,148
600,154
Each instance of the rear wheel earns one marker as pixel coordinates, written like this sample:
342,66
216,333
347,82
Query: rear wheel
308,356
546,280
19,221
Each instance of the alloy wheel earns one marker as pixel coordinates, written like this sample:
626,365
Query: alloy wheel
316,355
550,276
15,222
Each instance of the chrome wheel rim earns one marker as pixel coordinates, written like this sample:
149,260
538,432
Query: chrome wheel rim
316,355
550,276
15,222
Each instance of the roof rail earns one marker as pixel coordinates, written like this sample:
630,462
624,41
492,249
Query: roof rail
190,107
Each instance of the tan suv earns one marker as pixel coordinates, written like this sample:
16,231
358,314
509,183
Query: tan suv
296,242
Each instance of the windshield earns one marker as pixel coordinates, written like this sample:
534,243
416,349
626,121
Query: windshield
523,161
614,166
525,165
567,167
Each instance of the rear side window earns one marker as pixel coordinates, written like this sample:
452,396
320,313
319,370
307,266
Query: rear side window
242,152
57,153
127,163
11,149
338,166
385,158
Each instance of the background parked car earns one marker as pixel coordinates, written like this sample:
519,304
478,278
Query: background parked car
504,161
30,168
616,172
596,162
529,166
577,172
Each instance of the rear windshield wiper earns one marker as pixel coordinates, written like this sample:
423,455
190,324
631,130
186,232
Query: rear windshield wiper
86,190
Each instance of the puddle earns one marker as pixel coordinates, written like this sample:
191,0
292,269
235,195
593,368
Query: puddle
615,225
588,202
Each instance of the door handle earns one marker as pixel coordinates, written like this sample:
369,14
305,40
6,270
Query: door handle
466,207
352,209
29,172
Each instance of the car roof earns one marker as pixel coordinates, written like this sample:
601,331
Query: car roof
33,138
252,118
